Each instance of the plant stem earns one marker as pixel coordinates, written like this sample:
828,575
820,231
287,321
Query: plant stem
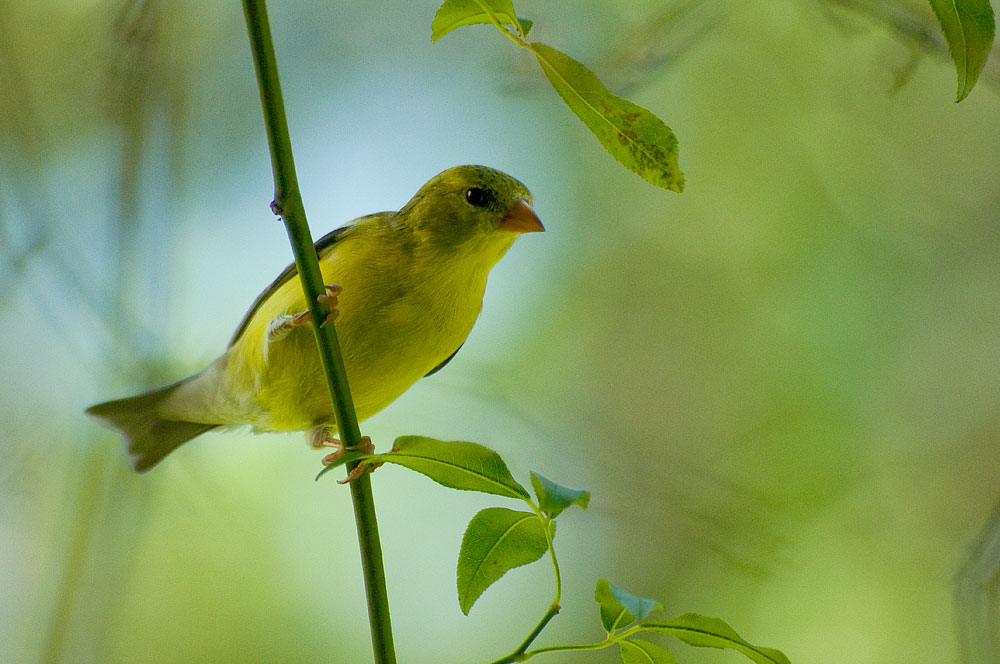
288,205
500,26
519,654
523,655
549,615
555,563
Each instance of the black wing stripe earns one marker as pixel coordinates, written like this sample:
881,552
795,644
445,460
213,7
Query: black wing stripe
446,361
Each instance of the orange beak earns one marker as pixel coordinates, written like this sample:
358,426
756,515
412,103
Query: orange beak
521,219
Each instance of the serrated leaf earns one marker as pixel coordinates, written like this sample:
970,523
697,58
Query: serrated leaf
554,498
637,651
456,465
457,13
496,540
620,608
631,134
705,632
968,28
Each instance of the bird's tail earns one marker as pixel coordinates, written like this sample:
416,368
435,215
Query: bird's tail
148,437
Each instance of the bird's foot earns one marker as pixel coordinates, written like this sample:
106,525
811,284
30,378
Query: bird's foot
280,326
330,299
365,445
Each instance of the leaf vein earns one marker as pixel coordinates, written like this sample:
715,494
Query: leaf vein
638,145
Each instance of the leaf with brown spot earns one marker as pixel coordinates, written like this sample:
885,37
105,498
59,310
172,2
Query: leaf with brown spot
631,134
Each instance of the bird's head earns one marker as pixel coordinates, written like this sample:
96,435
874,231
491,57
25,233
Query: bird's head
471,208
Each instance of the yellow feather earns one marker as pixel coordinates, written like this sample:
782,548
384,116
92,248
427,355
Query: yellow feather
413,284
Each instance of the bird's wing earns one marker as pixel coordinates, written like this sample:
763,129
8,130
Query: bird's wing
444,362
323,245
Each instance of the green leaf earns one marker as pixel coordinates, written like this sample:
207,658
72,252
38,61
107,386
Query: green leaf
554,498
456,465
705,632
456,13
497,540
620,608
637,651
630,133
968,28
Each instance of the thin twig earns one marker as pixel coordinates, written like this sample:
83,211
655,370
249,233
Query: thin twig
288,204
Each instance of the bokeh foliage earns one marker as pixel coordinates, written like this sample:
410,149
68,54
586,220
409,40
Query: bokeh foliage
780,387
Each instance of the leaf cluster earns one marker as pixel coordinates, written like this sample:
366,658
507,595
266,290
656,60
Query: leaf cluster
634,136
499,539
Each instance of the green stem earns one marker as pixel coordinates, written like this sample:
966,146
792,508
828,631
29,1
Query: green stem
519,654
555,563
500,26
579,647
288,205
600,645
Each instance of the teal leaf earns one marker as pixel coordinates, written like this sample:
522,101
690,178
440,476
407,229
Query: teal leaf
703,632
968,28
631,134
637,651
620,608
554,498
456,465
457,13
497,540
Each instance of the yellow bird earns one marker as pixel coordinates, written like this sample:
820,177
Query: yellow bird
408,287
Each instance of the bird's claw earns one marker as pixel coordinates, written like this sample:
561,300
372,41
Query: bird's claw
329,299
365,445
358,471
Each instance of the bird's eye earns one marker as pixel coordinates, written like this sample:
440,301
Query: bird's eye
479,198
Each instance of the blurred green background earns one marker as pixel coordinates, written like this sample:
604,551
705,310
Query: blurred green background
782,387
